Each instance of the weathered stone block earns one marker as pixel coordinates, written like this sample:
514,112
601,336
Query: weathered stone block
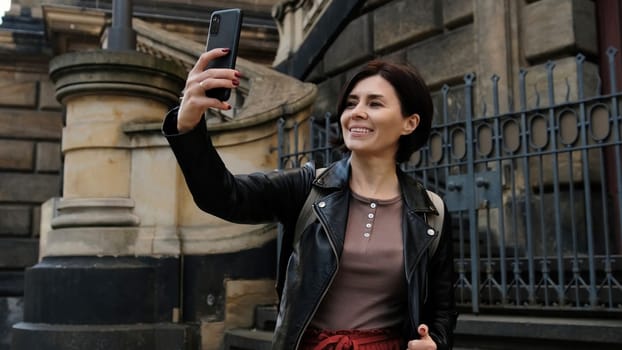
352,46
48,156
100,241
15,93
46,213
317,73
403,22
15,220
11,312
457,12
18,253
445,59
398,56
28,187
573,222
16,155
212,334
553,26
328,94
112,166
564,82
11,283
241,298
155,208
47,96
36,221
455,106
30,124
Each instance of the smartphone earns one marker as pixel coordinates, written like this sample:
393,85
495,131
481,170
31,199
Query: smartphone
224,32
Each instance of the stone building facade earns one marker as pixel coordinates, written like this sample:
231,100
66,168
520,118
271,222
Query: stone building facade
31,121
93,170
322,42
443,39
494,43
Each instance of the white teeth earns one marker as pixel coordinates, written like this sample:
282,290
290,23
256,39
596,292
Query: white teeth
359,130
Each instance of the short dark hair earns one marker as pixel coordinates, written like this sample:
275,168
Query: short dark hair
414,97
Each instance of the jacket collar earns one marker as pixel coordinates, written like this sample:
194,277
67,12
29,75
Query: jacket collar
415,197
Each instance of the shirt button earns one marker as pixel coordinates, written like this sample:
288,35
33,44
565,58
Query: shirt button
368,225
321,204
373,205
370,215
366,234
431,232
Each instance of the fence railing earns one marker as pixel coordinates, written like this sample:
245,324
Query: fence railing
535,193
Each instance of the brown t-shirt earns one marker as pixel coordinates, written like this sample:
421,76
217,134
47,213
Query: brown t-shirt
369,290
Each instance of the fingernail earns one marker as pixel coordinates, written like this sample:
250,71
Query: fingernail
229,107
226,50
235,82
237,74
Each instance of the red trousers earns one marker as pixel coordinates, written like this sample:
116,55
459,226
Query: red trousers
375,339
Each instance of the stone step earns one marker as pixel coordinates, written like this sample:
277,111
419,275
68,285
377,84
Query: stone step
247,339
265,317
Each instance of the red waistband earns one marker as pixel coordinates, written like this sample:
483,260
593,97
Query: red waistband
354,339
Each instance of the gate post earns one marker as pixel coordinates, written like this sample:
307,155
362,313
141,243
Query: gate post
470,181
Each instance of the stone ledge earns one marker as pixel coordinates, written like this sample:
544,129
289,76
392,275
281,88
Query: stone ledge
18,252
246,339
158,336
573,330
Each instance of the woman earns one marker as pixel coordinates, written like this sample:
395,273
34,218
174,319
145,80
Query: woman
360,276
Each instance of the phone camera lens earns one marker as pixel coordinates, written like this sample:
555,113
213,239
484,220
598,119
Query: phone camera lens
215,25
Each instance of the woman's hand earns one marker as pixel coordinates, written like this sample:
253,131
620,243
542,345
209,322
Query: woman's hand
194,102
424,343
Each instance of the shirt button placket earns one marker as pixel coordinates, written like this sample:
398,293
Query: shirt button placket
370,217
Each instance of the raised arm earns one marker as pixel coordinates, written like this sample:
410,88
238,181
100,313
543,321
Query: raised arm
253,198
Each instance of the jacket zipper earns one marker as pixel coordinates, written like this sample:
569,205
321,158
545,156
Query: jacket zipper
317,305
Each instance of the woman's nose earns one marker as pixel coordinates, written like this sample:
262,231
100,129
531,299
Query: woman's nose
359,112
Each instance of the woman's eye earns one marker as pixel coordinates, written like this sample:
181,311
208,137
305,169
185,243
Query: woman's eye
350,104
375,104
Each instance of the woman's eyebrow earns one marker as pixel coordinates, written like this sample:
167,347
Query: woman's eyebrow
369,96
375,96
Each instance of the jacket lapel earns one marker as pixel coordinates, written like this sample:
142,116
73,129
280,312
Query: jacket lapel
333,206
415,230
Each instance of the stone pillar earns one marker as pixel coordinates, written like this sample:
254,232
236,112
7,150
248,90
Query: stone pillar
105,279
496,33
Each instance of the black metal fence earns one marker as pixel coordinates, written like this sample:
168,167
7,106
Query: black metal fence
535,193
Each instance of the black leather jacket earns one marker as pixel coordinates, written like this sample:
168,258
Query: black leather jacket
309,270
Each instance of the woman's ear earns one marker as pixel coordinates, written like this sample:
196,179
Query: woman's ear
410,123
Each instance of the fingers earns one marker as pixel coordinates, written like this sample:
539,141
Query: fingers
425,342
213,83
194,101
423,330
207,57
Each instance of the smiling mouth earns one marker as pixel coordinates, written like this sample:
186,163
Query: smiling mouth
360,130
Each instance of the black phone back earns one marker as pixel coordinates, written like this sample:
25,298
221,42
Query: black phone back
224,32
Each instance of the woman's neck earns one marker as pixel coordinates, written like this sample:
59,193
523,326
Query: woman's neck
374,177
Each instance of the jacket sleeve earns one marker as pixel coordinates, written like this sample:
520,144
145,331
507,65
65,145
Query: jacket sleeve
246,199
439,310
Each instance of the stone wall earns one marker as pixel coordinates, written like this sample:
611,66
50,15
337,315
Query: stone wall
31,121
447,39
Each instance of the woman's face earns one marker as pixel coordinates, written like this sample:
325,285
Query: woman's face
372,121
